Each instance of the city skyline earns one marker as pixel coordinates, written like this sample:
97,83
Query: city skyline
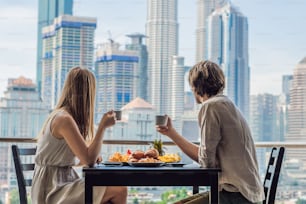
276,38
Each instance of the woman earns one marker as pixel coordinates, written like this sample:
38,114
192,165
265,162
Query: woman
69,133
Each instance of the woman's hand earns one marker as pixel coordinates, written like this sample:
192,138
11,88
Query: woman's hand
108,119
166,130
99,159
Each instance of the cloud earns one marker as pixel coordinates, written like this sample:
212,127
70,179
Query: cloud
17,42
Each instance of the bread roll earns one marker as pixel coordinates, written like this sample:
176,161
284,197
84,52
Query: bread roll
138,154
153,153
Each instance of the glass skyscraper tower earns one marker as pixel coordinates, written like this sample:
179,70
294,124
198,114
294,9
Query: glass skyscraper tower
204,9
162,43
142,87
48,10
117,77
67,43
227,45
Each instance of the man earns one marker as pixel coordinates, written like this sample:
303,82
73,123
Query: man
226,140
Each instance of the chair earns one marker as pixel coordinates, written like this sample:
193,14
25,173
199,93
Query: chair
272,174
20,168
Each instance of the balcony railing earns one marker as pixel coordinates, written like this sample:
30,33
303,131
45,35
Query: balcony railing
290,145
296,188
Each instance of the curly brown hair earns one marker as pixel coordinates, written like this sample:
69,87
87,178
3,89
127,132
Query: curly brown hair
206,77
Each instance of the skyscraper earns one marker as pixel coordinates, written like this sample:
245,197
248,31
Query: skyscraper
67,43
48,10
296,131
22,115
117,77
286,86
142,87
227,45
205,8
176,108
264,123
162,43
297,108
284,104
264,120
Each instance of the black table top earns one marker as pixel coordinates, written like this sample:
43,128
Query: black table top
165,168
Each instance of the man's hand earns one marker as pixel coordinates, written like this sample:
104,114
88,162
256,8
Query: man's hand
166,130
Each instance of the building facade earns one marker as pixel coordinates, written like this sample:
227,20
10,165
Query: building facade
297,110
286,86
264,117
204,9
227,45
22,115
176,108
67,43
137,45
117,77
162,43
284,104
48,10
22,112
264,123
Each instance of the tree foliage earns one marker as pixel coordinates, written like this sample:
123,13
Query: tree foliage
14,197
301,201
174,195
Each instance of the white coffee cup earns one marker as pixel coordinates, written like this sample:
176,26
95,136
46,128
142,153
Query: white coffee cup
161,120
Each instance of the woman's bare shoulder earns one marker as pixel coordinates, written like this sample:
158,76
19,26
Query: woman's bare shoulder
61,120
63,116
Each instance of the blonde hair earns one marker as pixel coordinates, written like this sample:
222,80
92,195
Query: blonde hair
78,99
206,77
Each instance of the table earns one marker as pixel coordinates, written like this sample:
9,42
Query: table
151,176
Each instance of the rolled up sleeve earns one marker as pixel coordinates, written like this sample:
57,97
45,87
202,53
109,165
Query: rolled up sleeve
210,137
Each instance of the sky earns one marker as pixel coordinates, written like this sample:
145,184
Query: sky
277,34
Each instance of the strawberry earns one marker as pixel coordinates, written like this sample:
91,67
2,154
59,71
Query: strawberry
128,152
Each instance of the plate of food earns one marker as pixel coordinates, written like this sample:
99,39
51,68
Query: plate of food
146,164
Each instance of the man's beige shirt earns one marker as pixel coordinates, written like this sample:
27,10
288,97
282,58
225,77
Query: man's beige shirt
226,142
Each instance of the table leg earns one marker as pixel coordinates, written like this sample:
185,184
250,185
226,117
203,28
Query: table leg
195,189
88,192
214,192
